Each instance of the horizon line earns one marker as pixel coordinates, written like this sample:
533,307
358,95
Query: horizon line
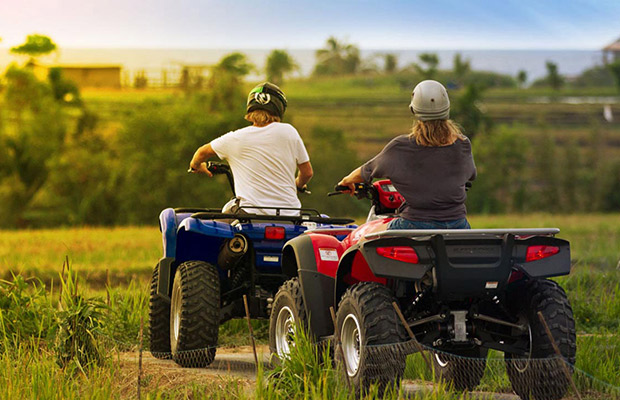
317,48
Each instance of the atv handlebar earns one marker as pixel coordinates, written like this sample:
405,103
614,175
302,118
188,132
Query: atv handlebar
361,190
214,167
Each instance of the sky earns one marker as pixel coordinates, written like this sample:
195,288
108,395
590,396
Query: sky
370,24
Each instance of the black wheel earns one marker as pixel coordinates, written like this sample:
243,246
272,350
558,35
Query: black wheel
195,314
459,372
287,314
159,321
533,376
366,319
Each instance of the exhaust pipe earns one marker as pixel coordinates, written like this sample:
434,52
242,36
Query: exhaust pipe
231,252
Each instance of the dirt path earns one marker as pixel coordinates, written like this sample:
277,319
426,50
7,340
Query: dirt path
234,364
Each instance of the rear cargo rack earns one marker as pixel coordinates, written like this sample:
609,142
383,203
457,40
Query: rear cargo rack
464,233
295,219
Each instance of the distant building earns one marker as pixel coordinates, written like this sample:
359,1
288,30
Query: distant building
85,76
611,52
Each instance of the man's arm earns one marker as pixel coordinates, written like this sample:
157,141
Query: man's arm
305,174
198,163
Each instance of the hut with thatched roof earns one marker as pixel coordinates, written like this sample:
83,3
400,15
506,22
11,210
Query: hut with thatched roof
611,52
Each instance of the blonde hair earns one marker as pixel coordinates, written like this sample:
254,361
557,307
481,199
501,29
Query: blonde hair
261,117
437,132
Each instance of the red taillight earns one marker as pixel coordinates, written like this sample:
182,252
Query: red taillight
274,233
539,252
399,253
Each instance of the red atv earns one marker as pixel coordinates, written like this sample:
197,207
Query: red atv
462,292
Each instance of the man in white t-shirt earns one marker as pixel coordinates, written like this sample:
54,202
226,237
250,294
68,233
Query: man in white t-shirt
264,156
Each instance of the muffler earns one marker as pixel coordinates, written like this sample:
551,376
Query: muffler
232,251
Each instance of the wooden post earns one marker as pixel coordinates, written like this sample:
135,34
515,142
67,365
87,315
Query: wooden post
411,335
140,359
107,285
337,344
559,353
247,315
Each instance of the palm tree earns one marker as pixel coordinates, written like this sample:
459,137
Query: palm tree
337,58
279,63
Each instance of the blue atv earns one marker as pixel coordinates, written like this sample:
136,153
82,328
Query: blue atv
212,258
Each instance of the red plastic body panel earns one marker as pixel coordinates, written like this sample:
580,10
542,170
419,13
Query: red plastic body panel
360,272
327,262
388,195
354,237
324,247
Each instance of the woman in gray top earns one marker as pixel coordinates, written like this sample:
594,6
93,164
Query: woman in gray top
429,167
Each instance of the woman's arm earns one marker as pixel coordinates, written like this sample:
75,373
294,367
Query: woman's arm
198,163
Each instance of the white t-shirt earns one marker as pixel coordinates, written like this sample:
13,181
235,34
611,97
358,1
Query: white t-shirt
264,161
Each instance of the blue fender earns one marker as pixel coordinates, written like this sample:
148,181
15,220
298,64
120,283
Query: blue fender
173,225
184,239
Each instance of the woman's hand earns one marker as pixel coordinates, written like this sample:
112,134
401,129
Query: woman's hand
350,180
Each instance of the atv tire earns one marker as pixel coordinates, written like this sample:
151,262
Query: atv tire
159,321
287,314
195,314
461,373
366,319
534,377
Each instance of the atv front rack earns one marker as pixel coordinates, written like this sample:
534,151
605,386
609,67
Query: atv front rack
464,233
295,219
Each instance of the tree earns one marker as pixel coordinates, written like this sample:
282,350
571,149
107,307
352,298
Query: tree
31,139
554,79
63,89
546,176
226,82
337,58
522,78
501,159
236,64
279,63
391,62
614,68
431,61
35,46
461,67
466,111
570,177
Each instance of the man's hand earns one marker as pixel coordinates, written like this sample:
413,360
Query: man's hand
198,164
200,169
305,174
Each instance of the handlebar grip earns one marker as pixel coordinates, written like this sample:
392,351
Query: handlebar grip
339,189
217,168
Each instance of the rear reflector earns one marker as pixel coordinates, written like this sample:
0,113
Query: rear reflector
274,233
399,253
539,252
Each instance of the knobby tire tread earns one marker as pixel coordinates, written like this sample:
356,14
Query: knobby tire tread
159,321
200,314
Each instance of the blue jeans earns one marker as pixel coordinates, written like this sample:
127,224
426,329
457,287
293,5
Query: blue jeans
401,223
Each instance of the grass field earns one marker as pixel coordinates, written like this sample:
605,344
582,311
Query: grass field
133,251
